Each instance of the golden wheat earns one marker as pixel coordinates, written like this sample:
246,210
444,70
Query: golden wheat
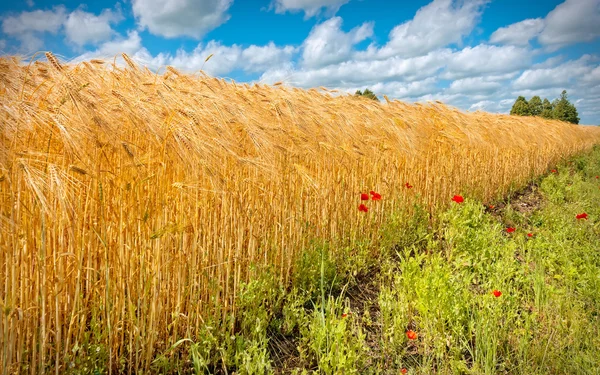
133,204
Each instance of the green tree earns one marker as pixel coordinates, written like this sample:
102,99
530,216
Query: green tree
564,110
547,109
535,106
367,93
521,107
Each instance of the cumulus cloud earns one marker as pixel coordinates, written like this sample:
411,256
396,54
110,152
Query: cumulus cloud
130,45
328,44
519,33
404,89
34,21
559,76
486,59
358,72
592,77
82,27
475,85
28,27
173,18
258,58
224,60
437,24
309,7
570,22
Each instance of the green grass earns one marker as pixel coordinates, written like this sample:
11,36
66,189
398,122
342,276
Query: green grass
348,309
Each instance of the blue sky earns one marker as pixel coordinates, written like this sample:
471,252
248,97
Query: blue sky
473,54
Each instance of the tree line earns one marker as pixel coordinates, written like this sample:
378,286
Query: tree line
367,93
560,109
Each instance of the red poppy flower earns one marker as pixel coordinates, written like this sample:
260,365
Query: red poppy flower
458,199
497,293
597,177
491,206
412,335
403,371
364,197
375,196
363,208
582,216
529,234
510,230
408,186
553,171
345,315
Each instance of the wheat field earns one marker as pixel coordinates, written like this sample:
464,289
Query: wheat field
133,204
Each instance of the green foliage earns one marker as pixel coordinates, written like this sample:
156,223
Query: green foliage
521,107
314,268
547,109
367,93
564,110
536,106
561,109
332,341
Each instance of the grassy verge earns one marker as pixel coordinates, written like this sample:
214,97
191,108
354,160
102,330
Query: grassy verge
420,299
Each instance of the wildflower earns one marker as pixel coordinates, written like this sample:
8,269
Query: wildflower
412,335
364,197
510,230
403,371
408,186
345,315
582,216
363,208
492,206
529,234
553,171
458,199
596,177
375,196
497,293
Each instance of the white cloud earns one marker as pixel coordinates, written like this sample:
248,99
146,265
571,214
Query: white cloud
258,58
82,27
550,62
224,59
572,21
172,18
437,24
309,7
29,3
357,73
27,27
2,44
130,45
328,44
475,85
560,76
593,77
519,33
404,89
485,59
35,21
